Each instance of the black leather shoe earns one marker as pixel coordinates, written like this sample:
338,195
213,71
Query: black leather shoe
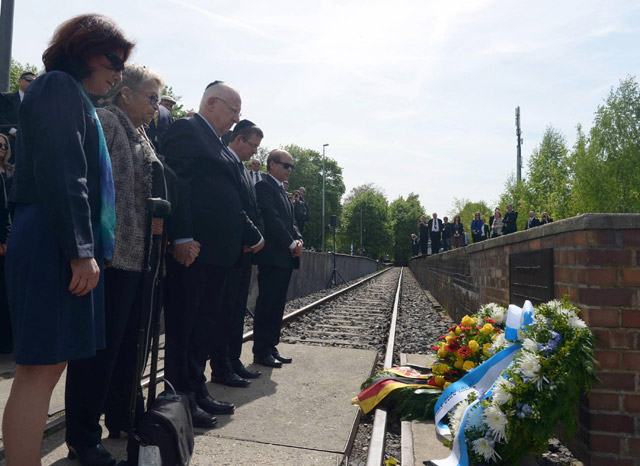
279,357
231,379
212,406
95,455
268,361
243,372
202,419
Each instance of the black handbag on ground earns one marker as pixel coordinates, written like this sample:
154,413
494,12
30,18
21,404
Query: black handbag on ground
163,435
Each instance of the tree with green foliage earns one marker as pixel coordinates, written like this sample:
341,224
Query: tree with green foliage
366,205
178,110
17,69
548,179
404,215
519,195
607,173
308,173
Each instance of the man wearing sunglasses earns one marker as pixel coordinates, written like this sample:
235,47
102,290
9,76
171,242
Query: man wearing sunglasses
281,254
9,105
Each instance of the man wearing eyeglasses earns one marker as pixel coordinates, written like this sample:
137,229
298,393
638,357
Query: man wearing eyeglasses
226,349
281,254
209,231
254,171
9,105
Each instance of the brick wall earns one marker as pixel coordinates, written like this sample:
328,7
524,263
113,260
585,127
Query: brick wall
597,264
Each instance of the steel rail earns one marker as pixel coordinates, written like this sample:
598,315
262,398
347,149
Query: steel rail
375,457
56,419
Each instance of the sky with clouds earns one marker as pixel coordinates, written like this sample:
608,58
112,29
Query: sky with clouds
415,96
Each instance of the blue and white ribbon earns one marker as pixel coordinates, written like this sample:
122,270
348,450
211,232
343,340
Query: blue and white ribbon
479,381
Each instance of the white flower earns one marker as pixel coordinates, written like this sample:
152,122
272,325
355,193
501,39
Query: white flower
456,418
555,304
576,322
496,421
500,392
499,341
484,447
530,365
497,314
530,345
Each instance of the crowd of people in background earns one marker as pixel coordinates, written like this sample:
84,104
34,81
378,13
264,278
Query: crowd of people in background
92,139
438,235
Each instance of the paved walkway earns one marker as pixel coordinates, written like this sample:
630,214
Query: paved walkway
298,415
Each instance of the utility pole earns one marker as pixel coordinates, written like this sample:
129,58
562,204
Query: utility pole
361,226
6,37
520,141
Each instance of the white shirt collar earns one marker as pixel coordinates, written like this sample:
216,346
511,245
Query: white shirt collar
210,126
276,180
234,154
21,94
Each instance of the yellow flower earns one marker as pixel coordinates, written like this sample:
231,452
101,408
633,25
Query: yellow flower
442,353
439,380
468,321
457,330
459,364
487,329
474,346
468,365
485,348
450,338
446,384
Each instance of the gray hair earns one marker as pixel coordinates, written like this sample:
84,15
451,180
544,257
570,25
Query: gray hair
132,77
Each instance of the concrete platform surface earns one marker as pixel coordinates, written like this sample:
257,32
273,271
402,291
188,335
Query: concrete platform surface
300,414
426,445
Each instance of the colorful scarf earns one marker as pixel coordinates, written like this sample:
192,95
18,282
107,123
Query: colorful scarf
107,191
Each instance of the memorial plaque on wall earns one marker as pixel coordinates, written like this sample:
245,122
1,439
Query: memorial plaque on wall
531,277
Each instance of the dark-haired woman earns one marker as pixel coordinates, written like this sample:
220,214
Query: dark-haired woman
457,238
544,218
62,229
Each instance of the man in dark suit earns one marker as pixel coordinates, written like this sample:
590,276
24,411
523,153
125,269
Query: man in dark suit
276,261
301,210
208,230
158,127
435,233
254,171
226,367
9,106
424,235
509,221
532,221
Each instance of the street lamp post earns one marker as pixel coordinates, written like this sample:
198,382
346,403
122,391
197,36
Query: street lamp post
6,36
323,193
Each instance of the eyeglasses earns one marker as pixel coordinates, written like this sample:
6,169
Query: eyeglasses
255,146
28,79
153,98
117,63
285,165
234,110
4,146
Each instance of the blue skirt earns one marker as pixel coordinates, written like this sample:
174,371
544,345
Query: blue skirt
50,325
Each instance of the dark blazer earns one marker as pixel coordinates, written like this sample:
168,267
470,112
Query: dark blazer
509,224
209,187
280,228
447,230
5,217
457,228
301,212
57,165
430,225
532,222
9,107
156,133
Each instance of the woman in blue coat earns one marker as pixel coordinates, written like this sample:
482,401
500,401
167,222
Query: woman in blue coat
63,226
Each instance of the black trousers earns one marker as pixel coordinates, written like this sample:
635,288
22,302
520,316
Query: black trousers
192,300
273,283
88,380
435,243
424,245
229,328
